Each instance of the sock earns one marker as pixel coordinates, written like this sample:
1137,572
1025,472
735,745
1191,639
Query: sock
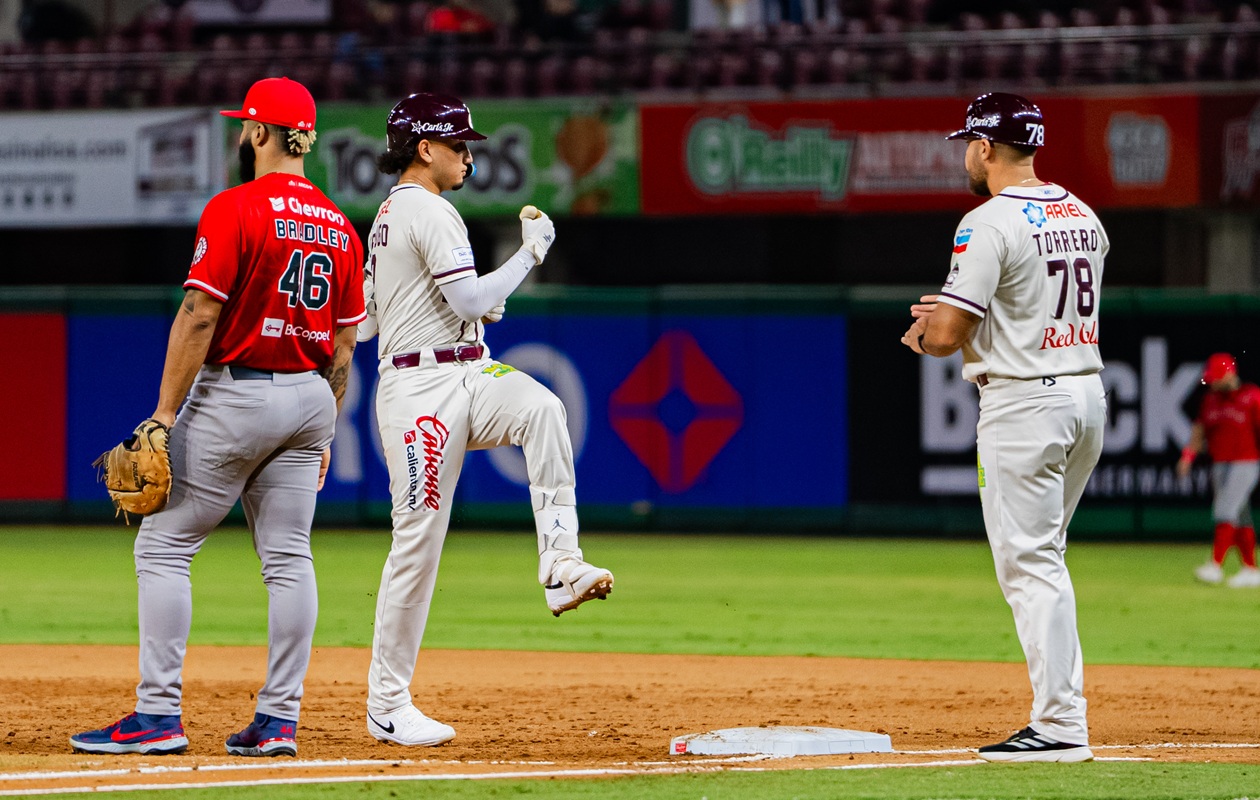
1245,538
1224,541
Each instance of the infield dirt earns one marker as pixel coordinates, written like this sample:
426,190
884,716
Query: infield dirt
523,711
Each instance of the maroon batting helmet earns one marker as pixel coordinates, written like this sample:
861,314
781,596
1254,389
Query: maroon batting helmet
425,115
1006,118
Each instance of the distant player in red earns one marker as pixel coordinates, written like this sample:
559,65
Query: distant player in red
260,350
1229,423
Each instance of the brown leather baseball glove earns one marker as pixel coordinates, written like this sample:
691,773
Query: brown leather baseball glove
137,472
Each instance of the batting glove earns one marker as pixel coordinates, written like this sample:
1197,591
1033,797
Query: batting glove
537,232
495,314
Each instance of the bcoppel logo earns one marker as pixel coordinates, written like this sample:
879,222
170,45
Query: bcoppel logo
200,251
272,327
409,437
277,203
307,333
1036,215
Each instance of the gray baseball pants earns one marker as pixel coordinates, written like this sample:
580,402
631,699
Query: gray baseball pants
257,437
1232,485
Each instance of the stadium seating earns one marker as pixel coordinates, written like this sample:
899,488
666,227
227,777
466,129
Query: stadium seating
874,45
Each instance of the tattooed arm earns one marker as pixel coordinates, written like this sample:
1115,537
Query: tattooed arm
338,373
186,351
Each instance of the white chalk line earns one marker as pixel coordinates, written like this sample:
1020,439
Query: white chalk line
634,768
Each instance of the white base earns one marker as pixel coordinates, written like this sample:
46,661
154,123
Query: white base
781,740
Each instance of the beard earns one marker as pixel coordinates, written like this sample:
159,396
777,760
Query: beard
978,183
245,153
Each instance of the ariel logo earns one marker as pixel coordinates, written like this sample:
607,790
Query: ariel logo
1036,215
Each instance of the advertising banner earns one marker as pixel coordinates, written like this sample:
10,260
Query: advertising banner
108,168
570,157
33,406
1231,150
892,155
663,412
1153,356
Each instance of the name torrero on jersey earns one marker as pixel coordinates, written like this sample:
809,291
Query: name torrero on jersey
1077,240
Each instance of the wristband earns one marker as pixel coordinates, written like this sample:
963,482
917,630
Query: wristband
921,347
1188,454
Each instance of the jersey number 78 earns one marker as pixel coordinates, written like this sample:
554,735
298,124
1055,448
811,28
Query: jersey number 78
1083,271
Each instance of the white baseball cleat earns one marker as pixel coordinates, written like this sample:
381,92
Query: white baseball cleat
408,726
1247,578
1210,572
573,582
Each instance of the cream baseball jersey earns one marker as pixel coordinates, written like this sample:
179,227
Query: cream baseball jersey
1029,262
418,243
288,267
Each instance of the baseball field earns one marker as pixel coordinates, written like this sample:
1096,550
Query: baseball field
908,637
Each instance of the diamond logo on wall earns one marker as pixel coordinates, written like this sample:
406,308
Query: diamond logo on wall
676,411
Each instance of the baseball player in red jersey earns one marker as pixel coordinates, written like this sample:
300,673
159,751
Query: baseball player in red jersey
1021,302
261,349
1229,424
441,394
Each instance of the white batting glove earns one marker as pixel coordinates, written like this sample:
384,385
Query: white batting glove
537,232
495,314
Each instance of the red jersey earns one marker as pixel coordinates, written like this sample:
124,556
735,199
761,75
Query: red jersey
1231,423
288,267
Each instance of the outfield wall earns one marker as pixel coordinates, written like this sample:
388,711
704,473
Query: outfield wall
757,408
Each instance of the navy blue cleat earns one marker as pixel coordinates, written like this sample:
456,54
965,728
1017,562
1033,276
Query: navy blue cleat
149,734
265,736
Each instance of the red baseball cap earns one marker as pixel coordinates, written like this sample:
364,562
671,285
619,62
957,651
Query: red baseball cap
278,101
1219,365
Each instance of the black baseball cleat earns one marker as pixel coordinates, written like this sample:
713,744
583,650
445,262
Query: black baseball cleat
1029,746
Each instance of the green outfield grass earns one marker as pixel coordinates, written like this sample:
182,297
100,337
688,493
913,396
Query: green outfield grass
744,595
736,595
1096,781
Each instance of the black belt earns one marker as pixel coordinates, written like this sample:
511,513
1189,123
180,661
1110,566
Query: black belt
239,373
443,355
983,379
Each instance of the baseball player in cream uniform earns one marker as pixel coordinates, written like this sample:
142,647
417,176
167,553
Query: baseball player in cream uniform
1021,301
441,394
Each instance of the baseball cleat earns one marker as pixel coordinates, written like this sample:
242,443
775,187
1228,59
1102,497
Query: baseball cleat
1210,572
265,736
408,726
1029,746
1247,578
148,734
573,582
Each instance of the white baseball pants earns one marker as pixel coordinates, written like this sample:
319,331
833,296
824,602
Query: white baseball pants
429,416
1038,442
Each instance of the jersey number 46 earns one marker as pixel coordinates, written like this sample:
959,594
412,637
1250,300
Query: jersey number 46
305,280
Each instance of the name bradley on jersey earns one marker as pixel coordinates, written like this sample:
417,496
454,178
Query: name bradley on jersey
310,232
